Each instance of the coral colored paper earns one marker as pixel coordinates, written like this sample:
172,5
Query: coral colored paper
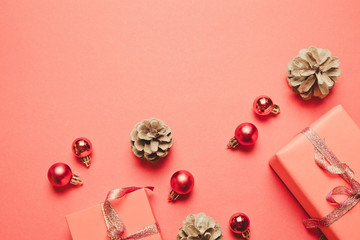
95,68
134,209
296,166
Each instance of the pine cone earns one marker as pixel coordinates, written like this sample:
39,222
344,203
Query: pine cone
151,139
313,72
199,227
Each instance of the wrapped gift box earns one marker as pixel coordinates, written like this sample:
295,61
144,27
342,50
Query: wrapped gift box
134,209
309,184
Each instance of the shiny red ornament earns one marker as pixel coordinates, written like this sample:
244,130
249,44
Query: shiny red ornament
263,105
82,149
60,175
182,182
239,224
246,134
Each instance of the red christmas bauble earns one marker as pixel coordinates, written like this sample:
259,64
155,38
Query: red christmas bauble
182,182
240,224
263,105
246,134
82,147
59,174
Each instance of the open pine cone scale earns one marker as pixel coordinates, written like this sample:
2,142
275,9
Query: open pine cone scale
313,72
199,227
151,139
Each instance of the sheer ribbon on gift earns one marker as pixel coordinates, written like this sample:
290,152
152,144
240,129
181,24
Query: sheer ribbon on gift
327,160
115,225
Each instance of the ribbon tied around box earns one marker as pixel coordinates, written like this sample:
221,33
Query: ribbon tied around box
116,227
327,160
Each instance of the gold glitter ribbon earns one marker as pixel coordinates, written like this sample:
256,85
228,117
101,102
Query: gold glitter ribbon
115,225
327,160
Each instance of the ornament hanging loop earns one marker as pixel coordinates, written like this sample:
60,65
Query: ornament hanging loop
276,109
233,143
75,180
173,196
246,235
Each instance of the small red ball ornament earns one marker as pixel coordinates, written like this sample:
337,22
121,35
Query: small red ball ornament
82,149
263,105
246,134
60,175
182,182
240,225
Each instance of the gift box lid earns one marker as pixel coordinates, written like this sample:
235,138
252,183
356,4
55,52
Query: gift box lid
134,209
295,165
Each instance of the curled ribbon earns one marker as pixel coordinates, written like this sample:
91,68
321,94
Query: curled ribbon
115,225
327,160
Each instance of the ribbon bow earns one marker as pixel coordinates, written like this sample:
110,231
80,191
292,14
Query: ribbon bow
327,160
115,225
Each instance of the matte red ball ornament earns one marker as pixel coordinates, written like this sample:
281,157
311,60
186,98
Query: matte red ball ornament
60,175
82,149
182,182
263,105
246,134
239,224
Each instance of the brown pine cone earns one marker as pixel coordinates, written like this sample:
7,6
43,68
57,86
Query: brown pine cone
313,72
151,139
199,227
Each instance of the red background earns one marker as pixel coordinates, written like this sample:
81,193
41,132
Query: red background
96,68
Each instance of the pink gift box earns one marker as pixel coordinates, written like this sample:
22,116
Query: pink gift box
309,184
134,209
